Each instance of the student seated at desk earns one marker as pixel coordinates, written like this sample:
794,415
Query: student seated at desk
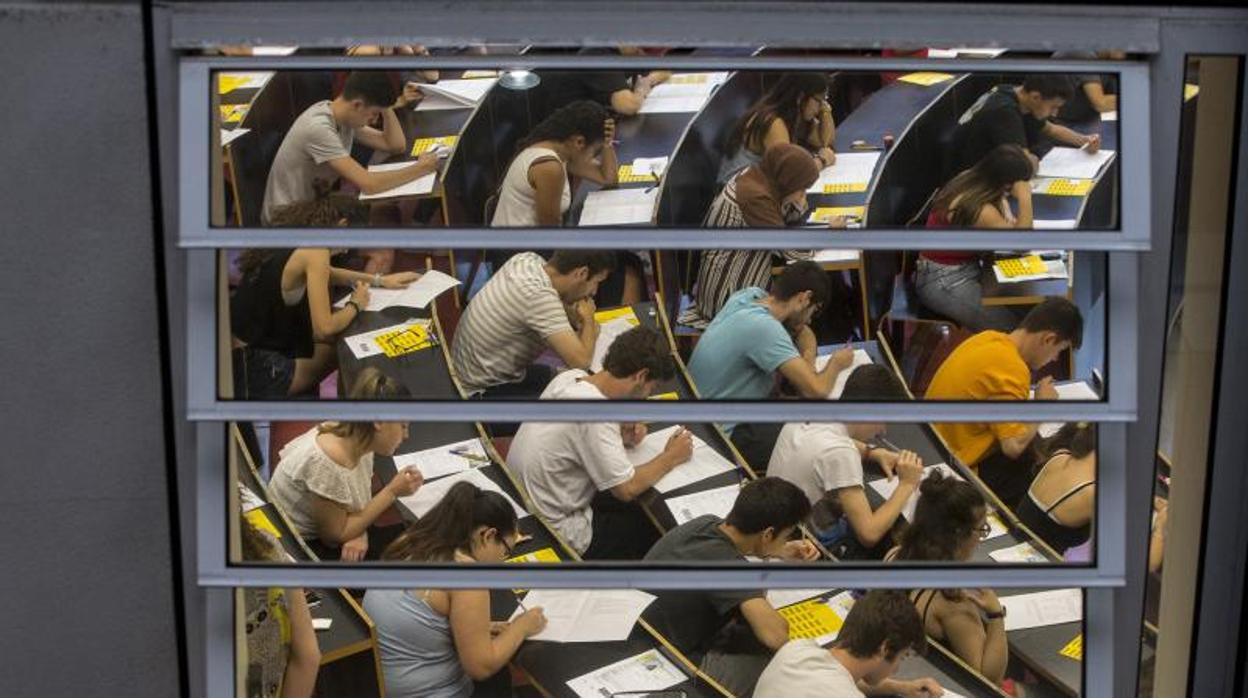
759,335
435,643
769,194
281,655
578,474
731,634
318,144
1061,500
618,91
1018,114
1092,93
282,323
949,522
948,282
795,110
997,366
528,305
577,140
825,460
880,630
323,480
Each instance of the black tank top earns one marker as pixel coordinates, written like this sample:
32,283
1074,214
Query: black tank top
260,317
1040,520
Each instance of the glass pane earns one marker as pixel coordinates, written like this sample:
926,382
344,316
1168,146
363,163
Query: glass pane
671,643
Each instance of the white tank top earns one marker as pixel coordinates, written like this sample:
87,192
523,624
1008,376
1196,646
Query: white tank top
517,200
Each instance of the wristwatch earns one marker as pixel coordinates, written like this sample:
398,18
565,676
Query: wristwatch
355,305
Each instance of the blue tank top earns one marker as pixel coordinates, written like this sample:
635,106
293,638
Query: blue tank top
418,657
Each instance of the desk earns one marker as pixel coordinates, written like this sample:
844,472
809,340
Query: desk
425,372
1027,293
1039,649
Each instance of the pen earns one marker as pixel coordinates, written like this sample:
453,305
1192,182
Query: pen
656,182
464,453
887,444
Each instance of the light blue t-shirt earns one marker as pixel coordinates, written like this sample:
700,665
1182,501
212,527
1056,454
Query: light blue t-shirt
737,357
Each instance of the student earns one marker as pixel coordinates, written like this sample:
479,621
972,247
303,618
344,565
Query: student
282,656
949,522
997,366
769,194
576,139
1092,93
618,91
578,474
282,322
948,282
318,144
537,190
825,461
1157,540
795,110
731,634
323,480
1060,502
1016,114
880,630
528,305
435,643
759,334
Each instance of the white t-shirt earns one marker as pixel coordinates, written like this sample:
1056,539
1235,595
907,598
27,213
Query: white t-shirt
563,464
305,470
817,457
517,199
803,669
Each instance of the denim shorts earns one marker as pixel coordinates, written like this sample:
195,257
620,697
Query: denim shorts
262,374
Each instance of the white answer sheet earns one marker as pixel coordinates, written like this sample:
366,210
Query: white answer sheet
607,334
1042,608
439,461
1075,390
431,284
718,501
431,493
587,615
648,671
1073,163
1023,552
849,168
628,206
861,358
704,463
417,187
886,487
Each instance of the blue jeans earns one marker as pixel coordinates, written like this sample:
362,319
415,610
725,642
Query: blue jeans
954,290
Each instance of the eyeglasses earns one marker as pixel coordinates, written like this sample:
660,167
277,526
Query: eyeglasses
984,530
507,547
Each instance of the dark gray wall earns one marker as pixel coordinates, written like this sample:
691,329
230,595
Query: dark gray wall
85,580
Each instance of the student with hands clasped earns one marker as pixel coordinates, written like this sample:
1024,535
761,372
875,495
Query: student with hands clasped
795,110
880,631
732,634
318,144
826,461
950,520
438,643
323,481
282,321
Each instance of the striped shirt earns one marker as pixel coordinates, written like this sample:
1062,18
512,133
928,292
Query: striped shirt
724,272
507,325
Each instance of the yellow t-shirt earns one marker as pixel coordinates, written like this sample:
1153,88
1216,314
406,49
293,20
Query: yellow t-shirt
984,367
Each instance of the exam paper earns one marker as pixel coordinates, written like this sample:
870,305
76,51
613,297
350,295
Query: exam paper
849,168
1054,269
438,461
861,358
608,332
886,487
364,344
430,285
248,499
779,598
627,206
1043,608
835,256
242,81
416,187
228,136
1077,390
690,506
467,92
650,166
648,671
587,615
1023,552
1073,163
704,463
1053,224
682,93
431,493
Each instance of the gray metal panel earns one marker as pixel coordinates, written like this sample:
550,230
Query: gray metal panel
840,24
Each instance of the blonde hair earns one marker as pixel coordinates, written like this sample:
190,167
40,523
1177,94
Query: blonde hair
371,384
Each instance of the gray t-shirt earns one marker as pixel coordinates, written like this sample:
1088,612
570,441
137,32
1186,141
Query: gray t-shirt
698,621
312,141
816,456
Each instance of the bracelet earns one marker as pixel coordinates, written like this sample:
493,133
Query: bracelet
355,305
995,616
